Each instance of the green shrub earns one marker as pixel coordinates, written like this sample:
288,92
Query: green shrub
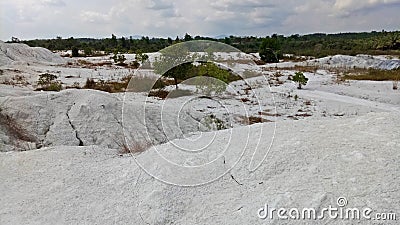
48,82
101,85
90,84
53,87
134,65
213,123
300,79
46,79
270,49
75,52
119,59
141,57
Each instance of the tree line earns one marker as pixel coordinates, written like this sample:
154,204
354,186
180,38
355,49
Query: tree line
274,46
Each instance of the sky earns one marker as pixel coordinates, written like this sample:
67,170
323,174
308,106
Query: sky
31,19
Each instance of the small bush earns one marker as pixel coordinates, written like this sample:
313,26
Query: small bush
140,56
300,79
122,64
75,85
53,87
101,85
119,59
245,99
259,62
213,123
48,82
163,94
135,147
159,94
90,84
75,52
134,65
127,83
46,79
303,115
252,120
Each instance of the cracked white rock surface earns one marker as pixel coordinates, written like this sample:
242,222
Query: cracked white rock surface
307,167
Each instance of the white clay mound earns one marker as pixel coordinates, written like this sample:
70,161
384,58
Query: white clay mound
15,53
359,61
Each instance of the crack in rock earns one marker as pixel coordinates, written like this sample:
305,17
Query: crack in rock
73,127
48,128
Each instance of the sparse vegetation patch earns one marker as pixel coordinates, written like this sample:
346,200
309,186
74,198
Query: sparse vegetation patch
48,82
373,74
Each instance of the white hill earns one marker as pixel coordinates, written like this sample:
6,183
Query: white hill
344,62
359,61
15,53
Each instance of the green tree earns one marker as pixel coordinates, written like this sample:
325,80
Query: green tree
88,51
75,52
124,43
174,62
119,58
114,41
207,85
180,72
270,49
177,40
211,70
141,57
48,82
188,37
169,40
300,79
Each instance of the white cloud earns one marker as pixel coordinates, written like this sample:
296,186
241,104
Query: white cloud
159,4
94,17
56,3
37,19
348,6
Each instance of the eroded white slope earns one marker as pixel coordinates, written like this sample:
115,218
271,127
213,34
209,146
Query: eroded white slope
89,117
15,53
344,62
311,164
